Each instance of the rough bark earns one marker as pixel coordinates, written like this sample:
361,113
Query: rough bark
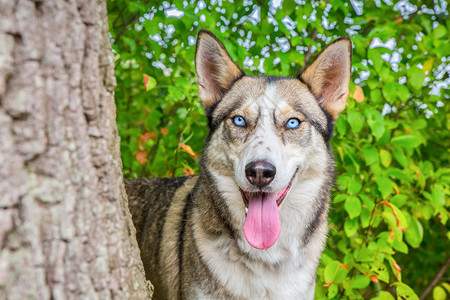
65,229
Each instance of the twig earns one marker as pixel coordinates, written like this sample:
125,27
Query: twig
435,280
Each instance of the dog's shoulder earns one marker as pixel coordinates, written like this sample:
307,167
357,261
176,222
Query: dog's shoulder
150,196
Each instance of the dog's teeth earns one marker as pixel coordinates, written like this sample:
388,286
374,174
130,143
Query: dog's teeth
246,210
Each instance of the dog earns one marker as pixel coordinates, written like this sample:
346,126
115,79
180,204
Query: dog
253,223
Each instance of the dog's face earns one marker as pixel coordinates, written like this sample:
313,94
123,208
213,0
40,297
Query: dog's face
269,134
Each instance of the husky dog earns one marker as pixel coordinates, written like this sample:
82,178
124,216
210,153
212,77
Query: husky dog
253,224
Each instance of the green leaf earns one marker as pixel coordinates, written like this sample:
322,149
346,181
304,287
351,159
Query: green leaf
386,296
376,123
374,54
134,6
384,186
341,274
384,140
439,293
131,43
416,78
427,212
152,27
400,246
341,125
406,141
181,82
403,93
414,233
350,227
287,7
367,201
332,291
353,206
400,156
360,282
365,218
375,95
393,91
382,271
354,186
339,198
438,196
175,92
439,32
405,292
385,158
399,200
363,255
370,154
355,121
419,124
399,175
331,270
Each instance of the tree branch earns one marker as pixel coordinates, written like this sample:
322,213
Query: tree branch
435,280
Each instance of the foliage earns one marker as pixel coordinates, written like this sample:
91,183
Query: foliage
389,217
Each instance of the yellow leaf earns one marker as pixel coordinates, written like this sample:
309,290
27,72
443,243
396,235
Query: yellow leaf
149,82
188,150
341,152
428,65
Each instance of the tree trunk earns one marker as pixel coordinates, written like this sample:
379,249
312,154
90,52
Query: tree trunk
65,228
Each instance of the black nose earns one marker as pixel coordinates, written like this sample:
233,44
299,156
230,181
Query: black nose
260,173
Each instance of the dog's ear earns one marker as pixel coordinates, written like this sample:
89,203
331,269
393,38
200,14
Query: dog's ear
329,75
216,72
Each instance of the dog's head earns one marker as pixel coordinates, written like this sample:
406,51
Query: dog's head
268,134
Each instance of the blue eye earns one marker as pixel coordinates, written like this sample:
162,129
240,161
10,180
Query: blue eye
239,121
292,123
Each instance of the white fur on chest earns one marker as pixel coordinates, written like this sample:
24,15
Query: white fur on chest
287,270
246,278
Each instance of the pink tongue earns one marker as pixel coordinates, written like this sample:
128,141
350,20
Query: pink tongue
262,225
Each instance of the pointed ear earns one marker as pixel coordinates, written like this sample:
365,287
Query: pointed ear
329,75
216,72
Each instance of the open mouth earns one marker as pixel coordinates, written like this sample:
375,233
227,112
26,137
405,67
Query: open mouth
279,195
262,224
